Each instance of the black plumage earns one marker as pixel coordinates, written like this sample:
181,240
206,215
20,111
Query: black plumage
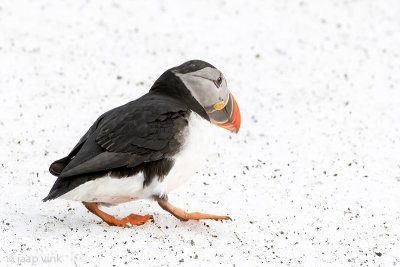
140,136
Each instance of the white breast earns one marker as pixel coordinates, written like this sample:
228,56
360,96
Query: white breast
193,152
119,190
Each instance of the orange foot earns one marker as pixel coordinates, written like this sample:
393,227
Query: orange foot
185,216
130,220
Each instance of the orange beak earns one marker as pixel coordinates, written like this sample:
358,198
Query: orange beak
233,123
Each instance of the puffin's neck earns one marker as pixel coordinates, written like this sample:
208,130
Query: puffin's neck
169,84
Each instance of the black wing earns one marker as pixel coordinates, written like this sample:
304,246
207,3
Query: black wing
126,139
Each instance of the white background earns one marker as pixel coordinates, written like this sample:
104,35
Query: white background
312,178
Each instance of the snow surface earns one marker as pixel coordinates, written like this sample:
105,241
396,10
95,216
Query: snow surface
312,178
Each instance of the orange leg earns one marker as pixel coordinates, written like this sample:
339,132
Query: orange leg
184,216
132,219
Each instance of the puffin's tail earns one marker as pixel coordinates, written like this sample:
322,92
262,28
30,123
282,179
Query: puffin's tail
56,168
49,197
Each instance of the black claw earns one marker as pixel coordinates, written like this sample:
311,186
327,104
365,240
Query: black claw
229,218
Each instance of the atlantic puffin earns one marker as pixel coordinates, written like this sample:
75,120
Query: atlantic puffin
148,147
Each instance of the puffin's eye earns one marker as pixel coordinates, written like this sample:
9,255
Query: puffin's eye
218,82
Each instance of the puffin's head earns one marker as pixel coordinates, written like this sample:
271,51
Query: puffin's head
209,87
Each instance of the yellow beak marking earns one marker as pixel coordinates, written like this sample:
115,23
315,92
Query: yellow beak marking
219,105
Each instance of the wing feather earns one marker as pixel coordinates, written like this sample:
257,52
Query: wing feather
143,130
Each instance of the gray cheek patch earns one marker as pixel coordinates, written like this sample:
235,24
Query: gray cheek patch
202,87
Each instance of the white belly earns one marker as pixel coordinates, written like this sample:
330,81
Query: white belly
119,190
